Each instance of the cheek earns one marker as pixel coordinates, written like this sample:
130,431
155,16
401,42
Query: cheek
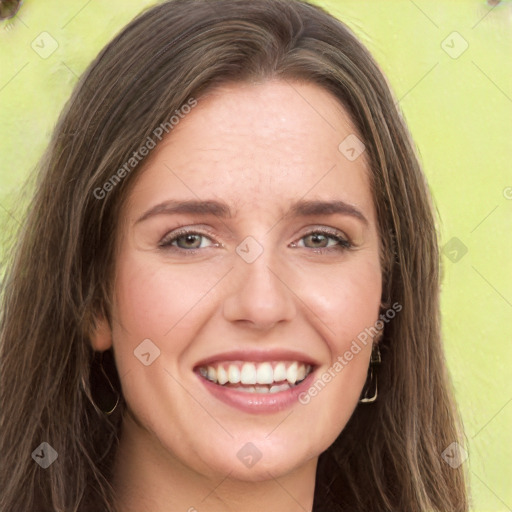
162,303
165,303
346,299
153,299
347,302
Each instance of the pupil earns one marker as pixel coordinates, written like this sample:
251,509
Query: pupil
190,240
317,238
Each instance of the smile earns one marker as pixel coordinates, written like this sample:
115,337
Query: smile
256,377
257,382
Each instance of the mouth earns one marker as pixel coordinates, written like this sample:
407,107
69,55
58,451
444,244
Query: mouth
256,377
256,382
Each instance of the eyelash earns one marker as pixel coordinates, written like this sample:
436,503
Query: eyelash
343,244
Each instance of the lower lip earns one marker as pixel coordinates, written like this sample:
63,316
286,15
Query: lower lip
258,402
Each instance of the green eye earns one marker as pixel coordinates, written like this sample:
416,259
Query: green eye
186,240
317,240
325,240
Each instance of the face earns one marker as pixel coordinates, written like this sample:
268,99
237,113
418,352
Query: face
248,264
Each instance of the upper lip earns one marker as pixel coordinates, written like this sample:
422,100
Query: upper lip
258,356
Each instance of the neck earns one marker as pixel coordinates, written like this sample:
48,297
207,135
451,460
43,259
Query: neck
148,477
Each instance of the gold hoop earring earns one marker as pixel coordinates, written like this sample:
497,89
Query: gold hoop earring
370,390
104,395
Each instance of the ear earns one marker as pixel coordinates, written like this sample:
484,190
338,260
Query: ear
101,336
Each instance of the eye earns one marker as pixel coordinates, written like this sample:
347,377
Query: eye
323,239
186,240
319,240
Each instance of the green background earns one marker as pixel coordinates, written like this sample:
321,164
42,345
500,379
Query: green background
456,93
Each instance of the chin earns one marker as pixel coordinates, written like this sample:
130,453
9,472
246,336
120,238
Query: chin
256,461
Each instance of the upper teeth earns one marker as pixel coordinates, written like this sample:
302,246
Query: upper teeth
255,373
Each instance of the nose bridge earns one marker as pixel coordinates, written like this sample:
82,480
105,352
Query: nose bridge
258,293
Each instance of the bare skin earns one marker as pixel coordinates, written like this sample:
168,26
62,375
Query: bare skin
258,149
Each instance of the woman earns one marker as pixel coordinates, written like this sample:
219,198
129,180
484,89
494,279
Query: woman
226,292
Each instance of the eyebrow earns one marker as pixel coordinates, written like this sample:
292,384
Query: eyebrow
305,208
301,208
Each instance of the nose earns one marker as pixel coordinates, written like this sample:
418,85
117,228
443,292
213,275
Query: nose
260,295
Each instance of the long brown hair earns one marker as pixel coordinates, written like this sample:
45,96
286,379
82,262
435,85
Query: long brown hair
59,279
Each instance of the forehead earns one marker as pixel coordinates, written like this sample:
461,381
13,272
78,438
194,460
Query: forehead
258,146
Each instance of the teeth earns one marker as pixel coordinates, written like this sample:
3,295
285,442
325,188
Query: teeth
277,388
301,373
212,374
222,375
291,373
280,372
248,374
234,374
263,389
263,377
265,374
